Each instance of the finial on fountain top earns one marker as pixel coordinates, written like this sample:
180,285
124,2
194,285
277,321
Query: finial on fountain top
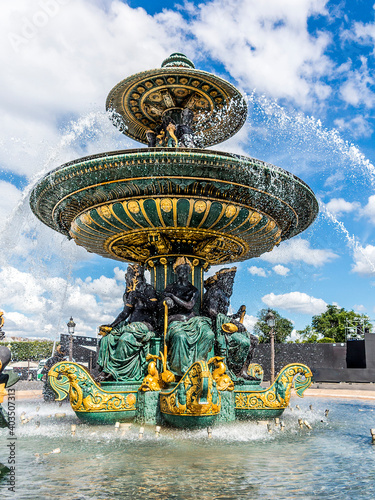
177,59
177,105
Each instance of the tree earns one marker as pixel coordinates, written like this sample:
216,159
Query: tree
310,336
331,325
30,350
283,328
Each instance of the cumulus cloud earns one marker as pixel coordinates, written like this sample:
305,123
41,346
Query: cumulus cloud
357,88
359,308
257,271
295,302
364,260
258,45
40,306
281,270
369,209
358,126
299,250
338,206
249,322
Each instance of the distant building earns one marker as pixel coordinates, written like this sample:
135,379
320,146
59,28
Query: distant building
84,349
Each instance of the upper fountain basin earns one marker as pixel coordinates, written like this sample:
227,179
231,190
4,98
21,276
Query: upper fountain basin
132,205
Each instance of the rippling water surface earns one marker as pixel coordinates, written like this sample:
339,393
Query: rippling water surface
241,461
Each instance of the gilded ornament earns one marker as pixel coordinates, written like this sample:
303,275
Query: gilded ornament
230,211
166,205
195,395
152,381
222,379
85,218
67,378
200,206
159,81
3,392
278,395
133,207
163,261
180,261
105,211
255,217
195,262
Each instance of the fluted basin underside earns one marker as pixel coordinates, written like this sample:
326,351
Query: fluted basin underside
135,204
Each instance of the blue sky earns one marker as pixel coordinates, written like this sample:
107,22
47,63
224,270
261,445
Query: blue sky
306,68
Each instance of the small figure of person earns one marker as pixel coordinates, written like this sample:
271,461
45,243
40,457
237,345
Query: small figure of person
125,342
232,340
189,337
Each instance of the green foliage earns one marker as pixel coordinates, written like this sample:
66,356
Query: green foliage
283,328
34,350
310,336
330,325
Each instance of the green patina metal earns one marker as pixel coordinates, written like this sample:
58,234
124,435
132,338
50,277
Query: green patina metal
152,206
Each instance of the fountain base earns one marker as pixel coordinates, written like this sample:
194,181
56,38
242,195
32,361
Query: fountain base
193,402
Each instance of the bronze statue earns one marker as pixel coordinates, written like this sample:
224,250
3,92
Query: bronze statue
189,337
232,341
125,343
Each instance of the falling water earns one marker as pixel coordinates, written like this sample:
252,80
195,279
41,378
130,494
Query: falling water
292,141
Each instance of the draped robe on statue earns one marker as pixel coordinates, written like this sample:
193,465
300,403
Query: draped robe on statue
123,351
187,340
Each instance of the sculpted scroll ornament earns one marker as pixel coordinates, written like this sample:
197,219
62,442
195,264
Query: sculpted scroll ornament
85,395
196,394
278,395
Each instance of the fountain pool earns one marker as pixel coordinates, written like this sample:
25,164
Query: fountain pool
240,461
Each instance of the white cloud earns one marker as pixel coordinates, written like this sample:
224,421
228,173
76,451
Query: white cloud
338,206
257,271
41,305
358,126
295,302
249,322
359,308
356,89
333,180
296,250
281,270
258,45
369,210
364,260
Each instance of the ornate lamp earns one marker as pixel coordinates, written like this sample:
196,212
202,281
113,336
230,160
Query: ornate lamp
71,325
270,320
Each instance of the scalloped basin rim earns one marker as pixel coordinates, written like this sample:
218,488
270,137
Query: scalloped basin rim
189,151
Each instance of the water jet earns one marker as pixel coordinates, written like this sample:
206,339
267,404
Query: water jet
174,355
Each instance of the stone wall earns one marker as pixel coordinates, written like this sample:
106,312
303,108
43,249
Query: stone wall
328,362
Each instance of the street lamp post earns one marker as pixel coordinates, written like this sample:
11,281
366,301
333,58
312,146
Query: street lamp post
270,320
71,325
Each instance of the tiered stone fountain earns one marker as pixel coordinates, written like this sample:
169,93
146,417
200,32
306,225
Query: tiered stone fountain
172,199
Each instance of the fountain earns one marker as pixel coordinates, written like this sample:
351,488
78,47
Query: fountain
6,379
174,354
